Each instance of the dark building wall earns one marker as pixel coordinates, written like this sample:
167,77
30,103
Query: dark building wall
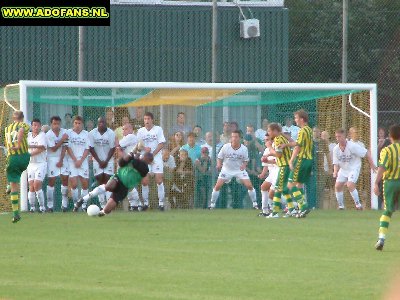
151,43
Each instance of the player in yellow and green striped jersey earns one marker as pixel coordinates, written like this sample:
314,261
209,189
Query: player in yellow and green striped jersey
282,160
389,170
16,142
301,161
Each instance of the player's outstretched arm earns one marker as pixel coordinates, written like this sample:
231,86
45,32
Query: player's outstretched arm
291,144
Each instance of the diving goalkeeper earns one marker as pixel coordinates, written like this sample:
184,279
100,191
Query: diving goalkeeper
130,173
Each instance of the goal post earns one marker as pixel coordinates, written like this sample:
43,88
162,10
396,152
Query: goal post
244,101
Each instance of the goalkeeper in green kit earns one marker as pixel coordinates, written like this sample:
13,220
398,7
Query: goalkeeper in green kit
130,173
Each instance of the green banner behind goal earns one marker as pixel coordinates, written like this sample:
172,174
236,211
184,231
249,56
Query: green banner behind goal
207,107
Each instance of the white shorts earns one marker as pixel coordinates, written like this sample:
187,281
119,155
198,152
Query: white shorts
83,171
36,171
344,175
108,170
53,170
227,175
157,166
272,177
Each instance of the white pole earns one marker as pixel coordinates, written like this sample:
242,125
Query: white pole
374,140
81,64
204,85
345,30
23,103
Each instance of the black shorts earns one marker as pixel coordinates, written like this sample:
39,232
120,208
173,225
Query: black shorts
121,191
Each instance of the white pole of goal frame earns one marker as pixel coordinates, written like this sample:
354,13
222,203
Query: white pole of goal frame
24,177
373,111
371,87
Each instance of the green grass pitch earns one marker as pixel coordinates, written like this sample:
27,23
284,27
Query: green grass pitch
221,254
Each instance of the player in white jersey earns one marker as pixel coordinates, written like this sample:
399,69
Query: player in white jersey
347,164
154,140
126,145
37,167
232,161
78,151
102,148
57,162
268,186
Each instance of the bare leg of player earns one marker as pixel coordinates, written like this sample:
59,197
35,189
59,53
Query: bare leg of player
110,206
111,203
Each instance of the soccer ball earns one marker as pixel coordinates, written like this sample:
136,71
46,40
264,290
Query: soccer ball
93,210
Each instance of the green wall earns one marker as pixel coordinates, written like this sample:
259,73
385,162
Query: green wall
151,43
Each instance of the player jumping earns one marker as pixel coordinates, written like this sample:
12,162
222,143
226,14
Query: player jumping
130,173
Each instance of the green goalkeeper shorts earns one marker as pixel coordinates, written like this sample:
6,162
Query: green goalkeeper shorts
16,164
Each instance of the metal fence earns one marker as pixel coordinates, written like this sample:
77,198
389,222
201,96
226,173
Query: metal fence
300,41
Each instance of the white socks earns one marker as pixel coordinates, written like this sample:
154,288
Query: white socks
50,196
356,198
83,194
253,197
108,195
101,189
145,194
102,200
270,203
133,198
75,196
64,194
264,201
214,198
40,197
340,199
31,198
161,194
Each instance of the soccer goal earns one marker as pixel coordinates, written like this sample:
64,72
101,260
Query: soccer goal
248,106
